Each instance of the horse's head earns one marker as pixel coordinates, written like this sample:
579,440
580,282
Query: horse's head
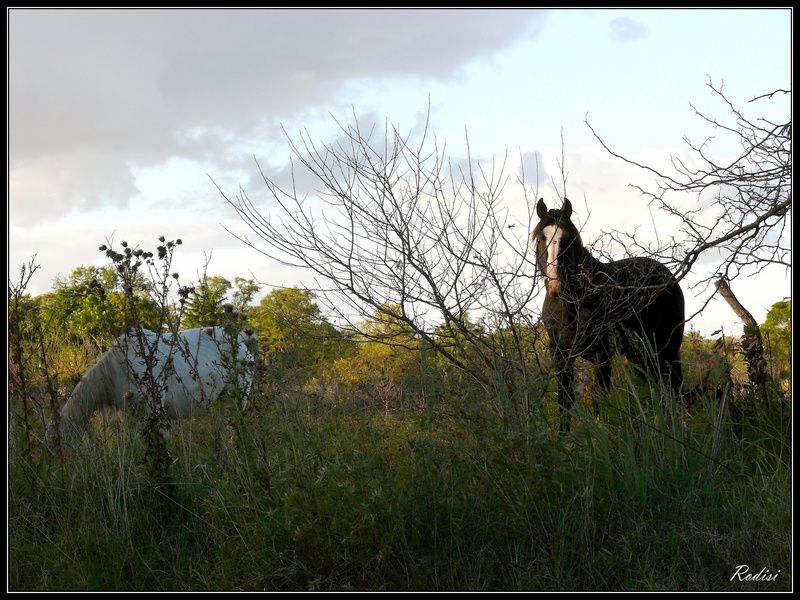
557,242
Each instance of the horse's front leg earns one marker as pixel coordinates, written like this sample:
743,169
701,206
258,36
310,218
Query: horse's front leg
564,364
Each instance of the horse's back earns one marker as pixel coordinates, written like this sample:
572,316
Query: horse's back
659,301
641,271
192,369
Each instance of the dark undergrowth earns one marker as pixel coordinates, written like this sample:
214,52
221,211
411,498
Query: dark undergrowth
300,495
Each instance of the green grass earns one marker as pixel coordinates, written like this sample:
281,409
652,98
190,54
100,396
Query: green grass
301,496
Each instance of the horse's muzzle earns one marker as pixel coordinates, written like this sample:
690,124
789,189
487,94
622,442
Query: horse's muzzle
553,287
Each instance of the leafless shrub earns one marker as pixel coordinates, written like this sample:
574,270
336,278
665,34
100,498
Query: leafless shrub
399,230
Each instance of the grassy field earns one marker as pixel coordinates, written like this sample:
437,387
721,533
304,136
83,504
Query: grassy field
297,494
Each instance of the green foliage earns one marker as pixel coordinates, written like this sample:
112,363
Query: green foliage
390,368
23,313
204,307
777,334
296,338
90,305
243,295
384,326
701,364
61,332
457,339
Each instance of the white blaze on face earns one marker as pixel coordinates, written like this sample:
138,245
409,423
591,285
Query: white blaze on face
552,240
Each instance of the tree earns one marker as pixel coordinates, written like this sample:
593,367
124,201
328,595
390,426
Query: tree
388,365
777,332
215,296
243,295
295,336
205,305
407,234
742,203
90,304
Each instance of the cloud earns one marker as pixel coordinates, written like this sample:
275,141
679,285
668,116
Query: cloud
111,88
531,169
46,186
58,254
625,30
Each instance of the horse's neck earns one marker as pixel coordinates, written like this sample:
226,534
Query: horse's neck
588,263
95,390
588,260
586,272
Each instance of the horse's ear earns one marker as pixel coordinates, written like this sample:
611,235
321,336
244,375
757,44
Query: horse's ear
566,209
541,209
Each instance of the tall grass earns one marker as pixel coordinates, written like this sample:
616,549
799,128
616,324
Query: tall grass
304,495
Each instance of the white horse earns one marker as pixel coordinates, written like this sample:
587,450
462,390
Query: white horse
189,371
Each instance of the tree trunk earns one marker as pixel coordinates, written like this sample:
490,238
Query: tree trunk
752,344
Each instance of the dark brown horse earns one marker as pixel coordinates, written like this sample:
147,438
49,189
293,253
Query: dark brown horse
595,310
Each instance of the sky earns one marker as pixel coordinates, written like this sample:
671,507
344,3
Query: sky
120,119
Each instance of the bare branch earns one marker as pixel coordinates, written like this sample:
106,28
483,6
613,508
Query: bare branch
400,230
742,202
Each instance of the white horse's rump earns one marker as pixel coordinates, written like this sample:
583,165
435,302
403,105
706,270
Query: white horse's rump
189,370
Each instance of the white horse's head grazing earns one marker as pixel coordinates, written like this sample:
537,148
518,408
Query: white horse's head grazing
190,370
